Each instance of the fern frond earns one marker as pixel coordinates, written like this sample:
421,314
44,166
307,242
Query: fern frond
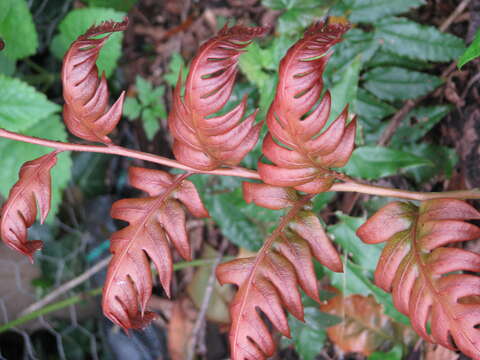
86,111
269,281
426,278
303,156
20,210
155,222
202,141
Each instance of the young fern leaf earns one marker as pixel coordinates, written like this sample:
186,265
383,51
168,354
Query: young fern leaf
155,222
86,113
301,156
269,281
20,210
424,275
201,141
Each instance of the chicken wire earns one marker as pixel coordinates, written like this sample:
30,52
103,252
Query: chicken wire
53,332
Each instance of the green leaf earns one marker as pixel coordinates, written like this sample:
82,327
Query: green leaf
21,106
387,58
89,172
369,106
410,39
252,67
309,336
426,118
150,123
472,52
144,88
372,10
14,153
444,160
17,29
7,65
131,108
344,234
345,91
394,83
298,14
356,43
176,64
374,162
245,225
121,5
371,110
77,22
394,354
357,280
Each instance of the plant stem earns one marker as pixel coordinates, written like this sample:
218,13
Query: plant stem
121,151
353,186
94,292
349,185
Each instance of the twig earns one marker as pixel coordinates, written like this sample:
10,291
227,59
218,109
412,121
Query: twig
458,10
66,287
396,120
200,322
121,151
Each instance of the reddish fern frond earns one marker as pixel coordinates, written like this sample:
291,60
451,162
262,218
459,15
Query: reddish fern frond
301,154
20,210
424,276
86,111
155,222
200,140
269,281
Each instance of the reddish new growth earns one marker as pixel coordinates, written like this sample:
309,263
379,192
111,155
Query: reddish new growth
86,111
302,154
431,283
201,141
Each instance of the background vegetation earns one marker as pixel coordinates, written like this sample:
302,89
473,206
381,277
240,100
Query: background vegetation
418,129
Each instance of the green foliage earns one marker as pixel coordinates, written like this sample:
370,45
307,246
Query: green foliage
395,83
297,14
120,5
472,52
410,39
344,91
148,105
16,24
259,65
177,64
309,336
77,22
394,354
343,233
374,162
370,11
245,225
426,118
21,106
360,265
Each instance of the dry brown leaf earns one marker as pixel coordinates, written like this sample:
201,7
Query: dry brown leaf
180,328
365,327
217,310
437,352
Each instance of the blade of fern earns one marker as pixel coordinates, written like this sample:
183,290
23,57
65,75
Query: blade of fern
234,331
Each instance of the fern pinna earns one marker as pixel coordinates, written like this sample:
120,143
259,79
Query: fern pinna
303,156
423,274
432,284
